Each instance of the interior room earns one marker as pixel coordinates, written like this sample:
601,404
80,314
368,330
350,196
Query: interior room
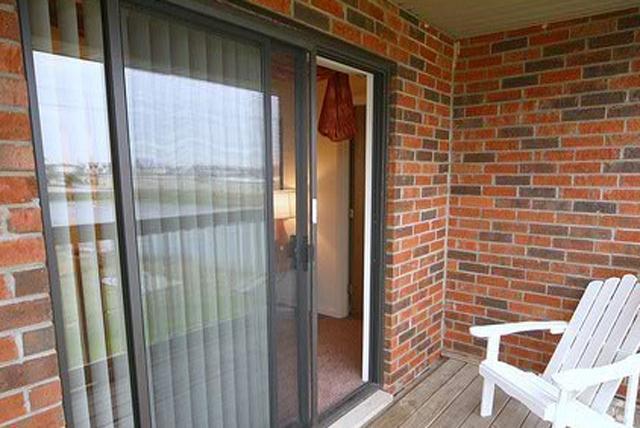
341,165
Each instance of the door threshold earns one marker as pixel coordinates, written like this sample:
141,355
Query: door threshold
365,411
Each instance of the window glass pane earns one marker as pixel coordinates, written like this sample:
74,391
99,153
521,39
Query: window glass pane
70,83
287,299
196,128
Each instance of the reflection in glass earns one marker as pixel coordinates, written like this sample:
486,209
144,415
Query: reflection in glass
68,62
196,130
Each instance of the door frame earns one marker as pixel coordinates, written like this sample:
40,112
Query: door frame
381,71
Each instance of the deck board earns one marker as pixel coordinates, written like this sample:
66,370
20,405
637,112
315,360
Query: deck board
449,397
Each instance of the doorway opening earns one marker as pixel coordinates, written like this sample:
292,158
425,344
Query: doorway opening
344,136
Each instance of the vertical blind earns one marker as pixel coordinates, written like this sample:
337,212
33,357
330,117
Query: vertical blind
196,131
69,70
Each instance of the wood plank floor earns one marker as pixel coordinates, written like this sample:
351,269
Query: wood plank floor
449,397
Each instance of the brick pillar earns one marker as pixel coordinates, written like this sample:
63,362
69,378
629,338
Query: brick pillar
30,393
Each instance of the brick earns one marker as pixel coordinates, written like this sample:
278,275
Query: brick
331,6
8,350
479,157
14,126
491,302
24,220
13,406
513,180
473,267
556,76
281,6
508,45
614,39
582,114
360,20
602,98
45,395
544,64
559,103
15,190
540,143
37,341
625,262
516,131
632,153
347,32
520,81
32,281
587,86
9,28
629,110
21,251
16,157
466,190
595,207
589,57
495,237
16,315
468,100
627,22
548,229
626,52
564,48
609,69
622,167
545,253
310,16
30,371
10,58
13,92
537,192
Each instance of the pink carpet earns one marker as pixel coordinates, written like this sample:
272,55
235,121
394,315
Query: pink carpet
339,359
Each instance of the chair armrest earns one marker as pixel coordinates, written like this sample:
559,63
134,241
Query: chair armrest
577,380
493,330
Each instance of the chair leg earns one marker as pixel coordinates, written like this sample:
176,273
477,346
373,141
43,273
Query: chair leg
561,417
488,390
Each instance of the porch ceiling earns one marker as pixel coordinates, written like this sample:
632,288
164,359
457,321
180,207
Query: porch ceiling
465,18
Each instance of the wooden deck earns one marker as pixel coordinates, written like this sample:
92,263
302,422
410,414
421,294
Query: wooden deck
449,397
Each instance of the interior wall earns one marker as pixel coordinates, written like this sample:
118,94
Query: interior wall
333,222
545,179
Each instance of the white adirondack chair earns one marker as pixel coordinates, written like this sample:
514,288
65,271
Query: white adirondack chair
596,352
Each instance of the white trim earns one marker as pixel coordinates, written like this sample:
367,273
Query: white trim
366,277
365,411
338,66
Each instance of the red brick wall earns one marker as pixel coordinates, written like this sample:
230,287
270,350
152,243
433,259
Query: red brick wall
417,171
29,385
545,183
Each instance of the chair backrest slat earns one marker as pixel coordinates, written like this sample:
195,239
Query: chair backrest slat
605,328
606,298
630,345
573,329
612,330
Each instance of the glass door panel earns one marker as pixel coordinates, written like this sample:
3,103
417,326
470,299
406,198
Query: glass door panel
291,313
68,61
196,119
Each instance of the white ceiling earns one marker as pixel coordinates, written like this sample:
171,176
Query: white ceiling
465,18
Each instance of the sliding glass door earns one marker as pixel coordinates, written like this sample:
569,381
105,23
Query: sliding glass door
175,187
214,144
196,117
